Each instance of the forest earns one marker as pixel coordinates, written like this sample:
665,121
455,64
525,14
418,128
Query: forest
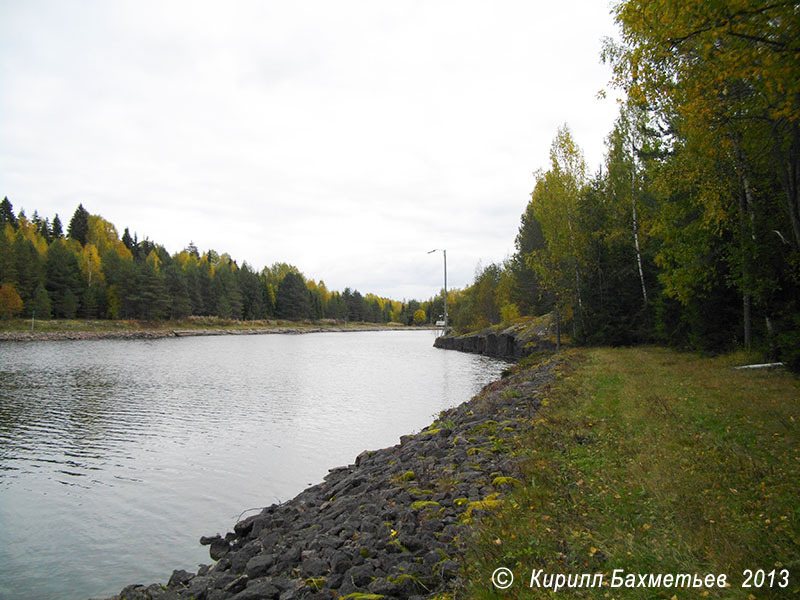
90,272
689,235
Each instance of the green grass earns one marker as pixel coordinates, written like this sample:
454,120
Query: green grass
189,323
651,461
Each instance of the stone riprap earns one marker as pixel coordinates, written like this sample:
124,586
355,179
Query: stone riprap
392,525
512,343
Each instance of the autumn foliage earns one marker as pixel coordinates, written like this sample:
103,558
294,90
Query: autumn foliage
690,233
10,302
93,273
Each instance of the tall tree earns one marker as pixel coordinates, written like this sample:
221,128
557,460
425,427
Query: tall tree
175,281
555,199
56,229
62,279
7,213
28,269
152,298
8,271
722,78
293,298
79,225
10,302
527,291
252,295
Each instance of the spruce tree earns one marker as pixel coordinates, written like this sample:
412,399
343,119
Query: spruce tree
41,303
28,269
62,279
293,298
79,225
56,229
7,213
153,299
180,303
8,265
128,240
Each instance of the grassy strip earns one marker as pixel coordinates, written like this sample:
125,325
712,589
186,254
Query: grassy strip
651,461
190,323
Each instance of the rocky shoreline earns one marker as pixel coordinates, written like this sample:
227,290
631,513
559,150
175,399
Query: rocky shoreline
512,343
395,524
150,334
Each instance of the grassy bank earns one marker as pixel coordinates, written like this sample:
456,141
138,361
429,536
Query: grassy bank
189,324
651,461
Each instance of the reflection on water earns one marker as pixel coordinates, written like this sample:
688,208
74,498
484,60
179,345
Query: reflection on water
116,456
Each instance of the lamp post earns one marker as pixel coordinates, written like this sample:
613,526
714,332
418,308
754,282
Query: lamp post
445,285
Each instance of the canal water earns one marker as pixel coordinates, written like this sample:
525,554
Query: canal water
117,455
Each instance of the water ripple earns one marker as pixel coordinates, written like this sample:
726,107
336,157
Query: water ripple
128,451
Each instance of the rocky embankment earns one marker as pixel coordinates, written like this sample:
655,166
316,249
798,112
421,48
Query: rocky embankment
392,525
513,343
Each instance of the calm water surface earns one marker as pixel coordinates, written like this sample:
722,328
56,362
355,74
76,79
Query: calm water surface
116,456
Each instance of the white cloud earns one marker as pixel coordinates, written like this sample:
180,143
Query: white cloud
347,138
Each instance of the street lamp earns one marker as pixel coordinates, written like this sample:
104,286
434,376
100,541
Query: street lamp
445,284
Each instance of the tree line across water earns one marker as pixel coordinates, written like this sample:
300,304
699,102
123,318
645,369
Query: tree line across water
690,232
90,272
688,235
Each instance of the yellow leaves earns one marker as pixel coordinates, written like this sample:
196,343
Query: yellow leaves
89,263
154,261
101,234
10,302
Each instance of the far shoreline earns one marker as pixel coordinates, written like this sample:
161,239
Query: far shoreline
195,326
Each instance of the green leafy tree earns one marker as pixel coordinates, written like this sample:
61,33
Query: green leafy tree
554,203
721,80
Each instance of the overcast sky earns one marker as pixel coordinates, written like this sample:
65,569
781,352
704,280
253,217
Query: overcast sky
347,138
